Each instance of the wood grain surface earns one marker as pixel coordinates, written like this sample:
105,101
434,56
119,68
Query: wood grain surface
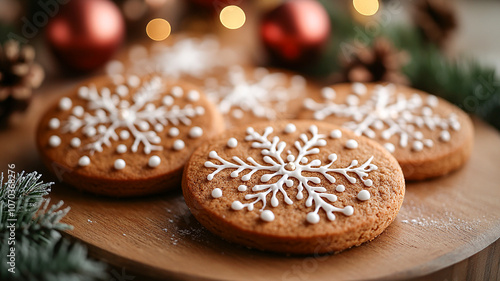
442,222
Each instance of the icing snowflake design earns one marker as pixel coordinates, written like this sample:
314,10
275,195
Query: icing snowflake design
286,168
388,113
264,94
189,56
110,117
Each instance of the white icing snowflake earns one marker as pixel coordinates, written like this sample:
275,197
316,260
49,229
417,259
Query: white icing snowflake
387,113
263,94
188,56
289,167
109,116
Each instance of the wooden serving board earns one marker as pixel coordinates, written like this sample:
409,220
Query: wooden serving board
442,222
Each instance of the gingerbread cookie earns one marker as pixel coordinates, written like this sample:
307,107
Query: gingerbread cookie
428,136
302,187
127,139
246,95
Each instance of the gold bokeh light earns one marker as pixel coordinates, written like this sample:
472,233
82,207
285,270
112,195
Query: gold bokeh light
232,17
366,7
158,29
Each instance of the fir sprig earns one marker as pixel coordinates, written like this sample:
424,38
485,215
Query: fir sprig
41,252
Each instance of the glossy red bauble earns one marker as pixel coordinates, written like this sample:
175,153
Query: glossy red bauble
84,34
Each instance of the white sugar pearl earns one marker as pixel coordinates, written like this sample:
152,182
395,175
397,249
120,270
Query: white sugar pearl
445,136
351,144
124,135
168,100
193,95
340,188
83,92
177,91
65,103
121,148
84,161
267,215
290,128
90,131
336,134
119,164
363,195
122,90
178,145
54,123
242,188
232,142
217,193
312,218
54,141
195,132
418,146
75,142
432,101
173,132
428,143
154,161
158,128
390,147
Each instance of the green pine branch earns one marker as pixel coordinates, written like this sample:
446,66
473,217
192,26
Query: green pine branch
40,251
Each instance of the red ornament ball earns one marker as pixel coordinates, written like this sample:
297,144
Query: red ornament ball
296,31
84,34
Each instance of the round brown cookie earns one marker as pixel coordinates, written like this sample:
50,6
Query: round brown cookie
127,139
303,187
428,136
247,95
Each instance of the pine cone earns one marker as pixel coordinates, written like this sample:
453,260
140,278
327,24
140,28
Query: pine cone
436,20
380,62
19,75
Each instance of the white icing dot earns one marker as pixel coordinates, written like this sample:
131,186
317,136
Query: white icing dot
359,88
444,136
232,142
124,135
101,129
427,111
83,92
328,93
304,160
78,111
428,143
178,145
290,158
133,81
75,142
159,128
236,205
200,110
119,164
90,131
290,128
154,161
121,148
242,188
54,141
122,90
351,144
455,125
390,147
238,113
173,132
195,132
267,215
352,100
168,100
65,103
217,193
417,145
84,161
348,211
54,123
177,91
193,95
363,195
340,188
432,101
312,218
336,134
368,182
419,135
250,130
